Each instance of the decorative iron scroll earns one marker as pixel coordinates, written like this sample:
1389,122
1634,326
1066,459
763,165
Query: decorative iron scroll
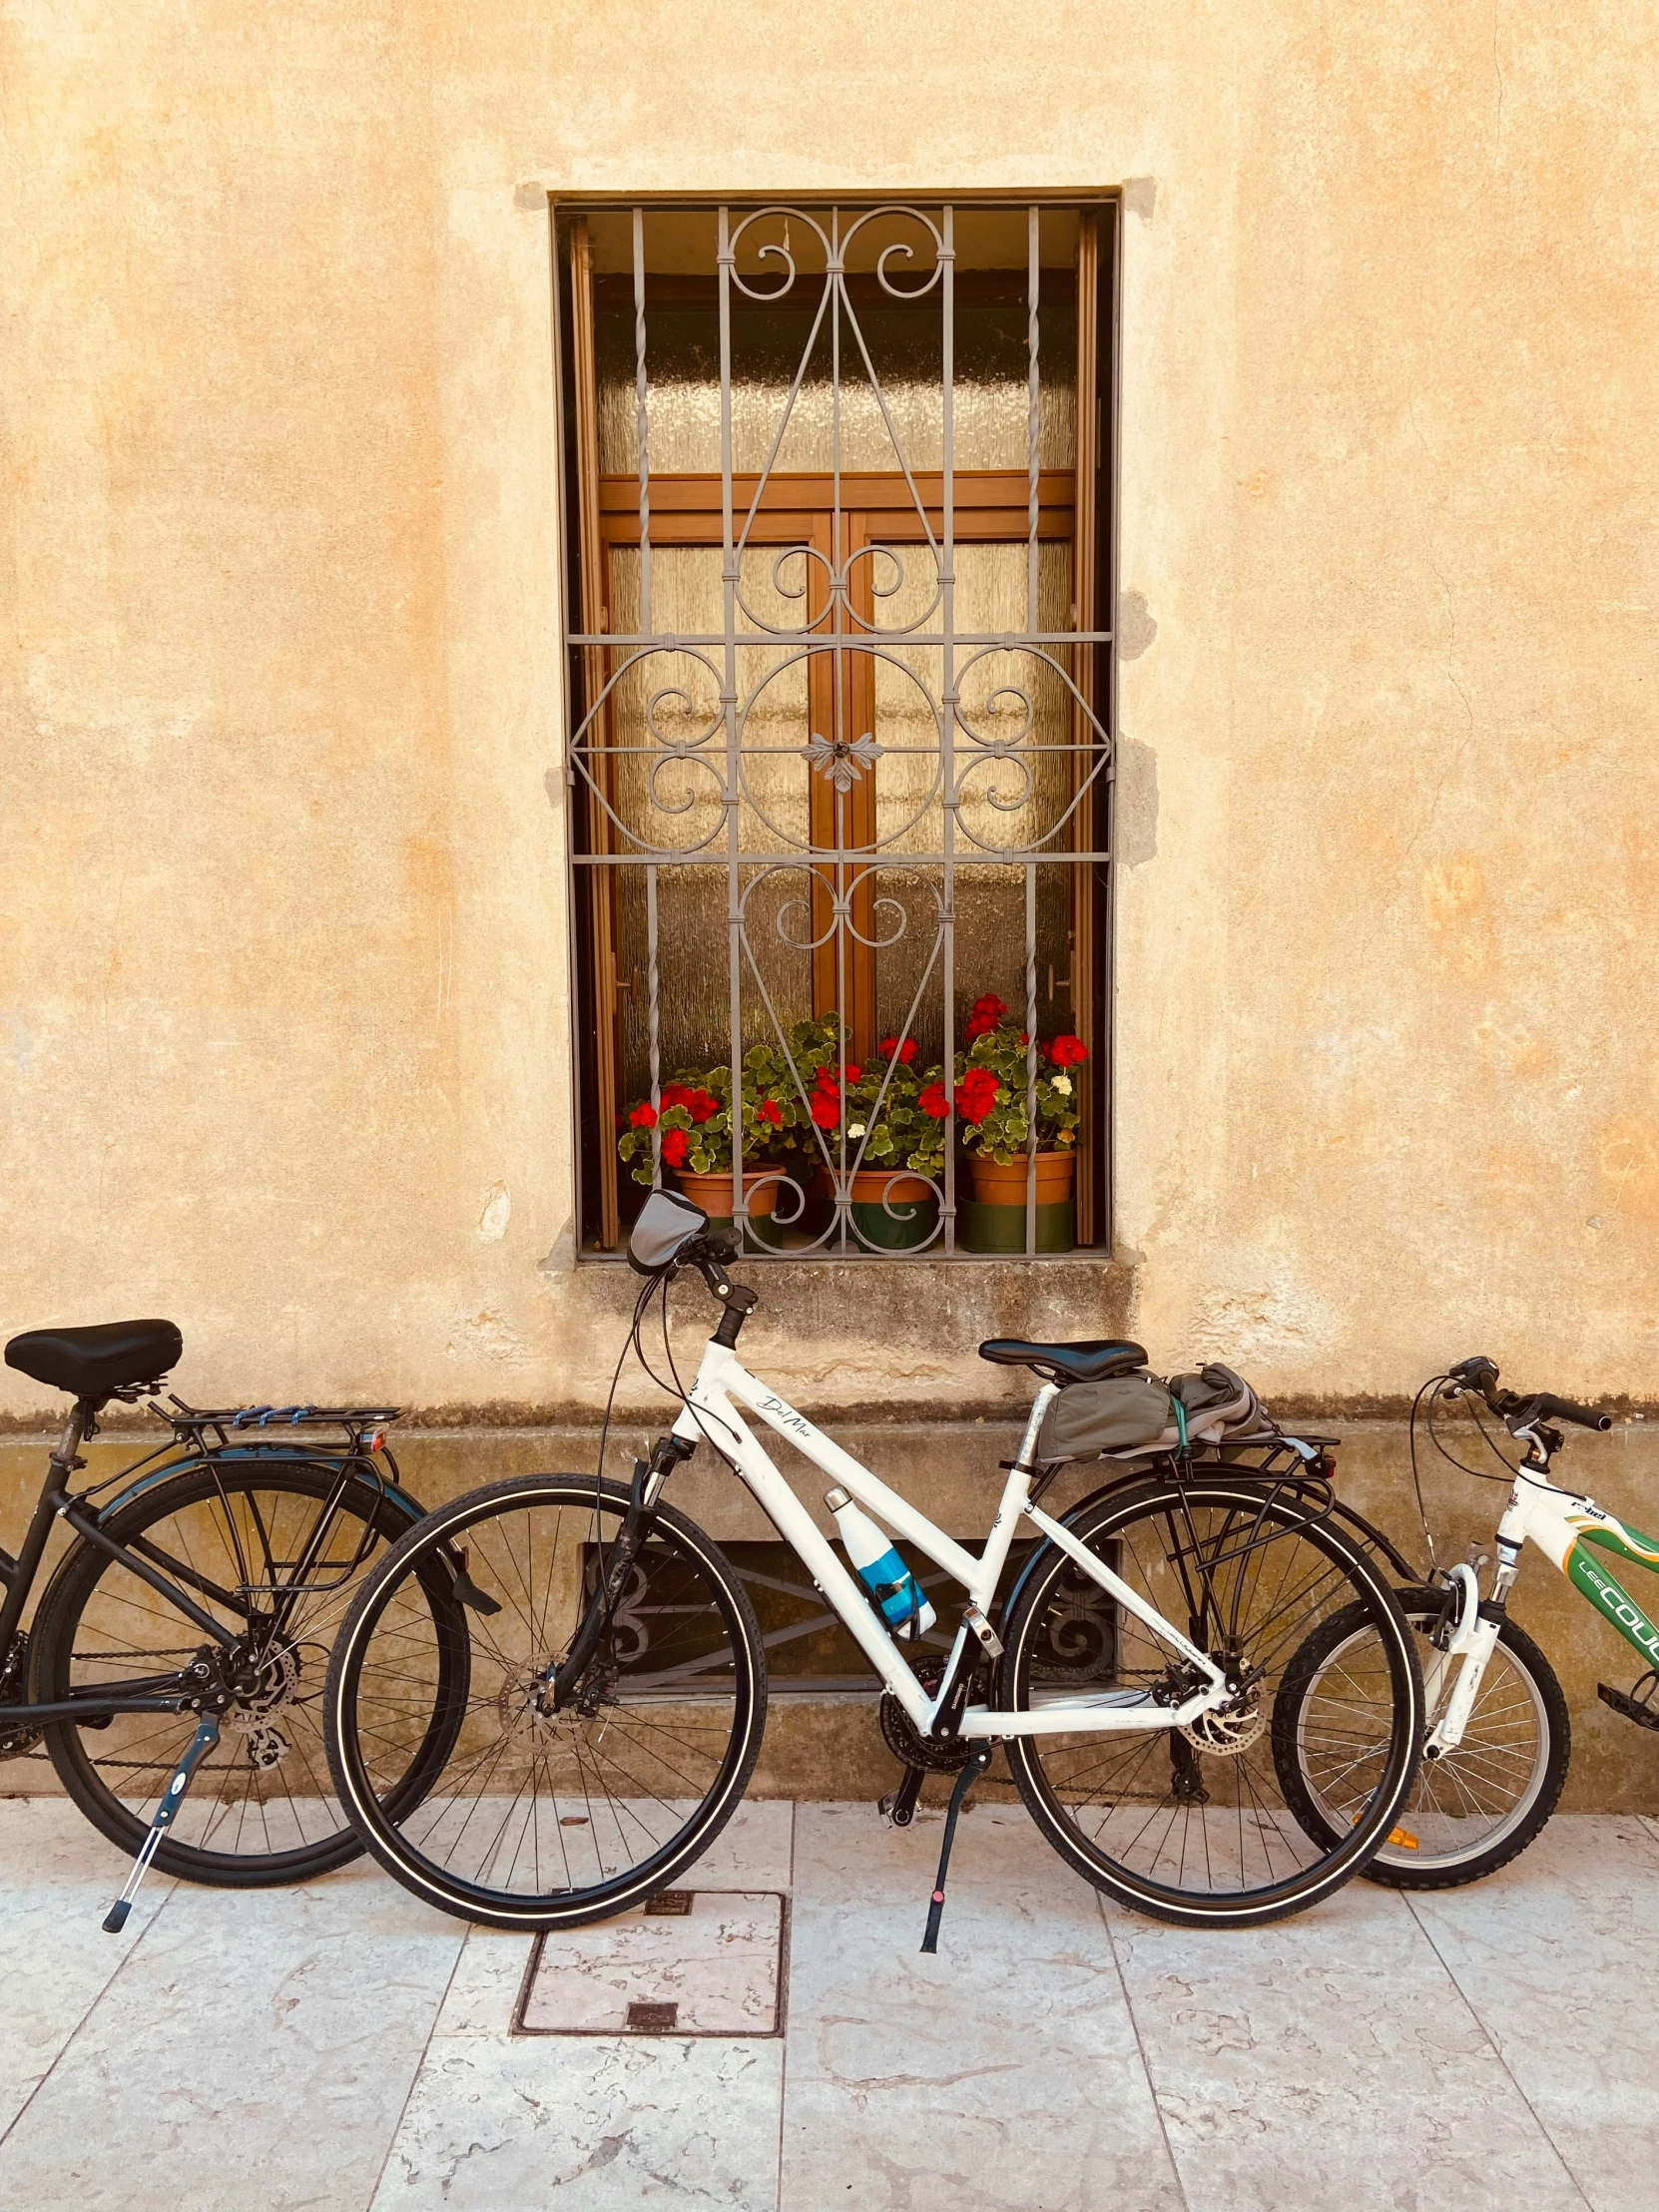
804,754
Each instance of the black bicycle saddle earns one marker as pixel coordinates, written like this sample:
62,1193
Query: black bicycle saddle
1088,1361
94,1361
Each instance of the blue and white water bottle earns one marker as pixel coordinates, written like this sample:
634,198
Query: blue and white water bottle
882,1573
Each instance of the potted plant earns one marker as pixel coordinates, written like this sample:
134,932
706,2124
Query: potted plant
993,1109
896,1134
694,1118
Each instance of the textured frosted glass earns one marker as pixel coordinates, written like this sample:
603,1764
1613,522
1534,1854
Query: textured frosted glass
991,401
991,586
665,802
672,802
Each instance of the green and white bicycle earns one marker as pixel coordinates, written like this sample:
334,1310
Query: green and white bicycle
1500,1740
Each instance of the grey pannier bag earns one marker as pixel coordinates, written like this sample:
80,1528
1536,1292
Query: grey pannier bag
1126,1413
1219,1406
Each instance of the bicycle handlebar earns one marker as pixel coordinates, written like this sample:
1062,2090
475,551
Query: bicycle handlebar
1564,1409
1480,1375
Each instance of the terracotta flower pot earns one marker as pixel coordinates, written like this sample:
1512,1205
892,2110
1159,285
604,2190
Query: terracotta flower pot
893,1211
761,1191
713,1194
994,1185
993,1220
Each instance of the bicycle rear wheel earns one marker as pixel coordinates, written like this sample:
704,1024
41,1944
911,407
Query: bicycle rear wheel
538,1817
1192,1825
261,1808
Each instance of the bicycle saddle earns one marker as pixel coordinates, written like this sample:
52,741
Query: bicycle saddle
1089,1362
94,1361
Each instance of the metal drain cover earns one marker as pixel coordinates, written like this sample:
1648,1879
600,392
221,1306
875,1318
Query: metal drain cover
711,1964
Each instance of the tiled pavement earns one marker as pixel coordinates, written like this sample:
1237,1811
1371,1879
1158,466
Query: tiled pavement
340,2048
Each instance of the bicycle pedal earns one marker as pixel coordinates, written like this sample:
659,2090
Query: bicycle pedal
899,1806
1643,1712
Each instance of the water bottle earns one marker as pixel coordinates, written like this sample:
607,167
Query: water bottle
881,1569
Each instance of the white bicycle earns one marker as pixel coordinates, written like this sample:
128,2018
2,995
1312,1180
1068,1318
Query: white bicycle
1500,1740
606,1677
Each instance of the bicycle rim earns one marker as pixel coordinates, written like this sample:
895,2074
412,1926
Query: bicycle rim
1464,1806
537,1818
261,1807
1192,1825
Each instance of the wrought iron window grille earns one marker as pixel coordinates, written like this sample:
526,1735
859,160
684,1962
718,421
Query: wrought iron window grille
810,777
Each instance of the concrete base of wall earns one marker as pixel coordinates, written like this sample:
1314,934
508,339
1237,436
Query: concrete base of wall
829,1747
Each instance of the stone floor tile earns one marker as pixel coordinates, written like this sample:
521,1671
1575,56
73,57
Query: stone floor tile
61,1879
486,1983
1558,1953
1001,2074
588,2124
752,1852
718,1966
1328,2062
269,2035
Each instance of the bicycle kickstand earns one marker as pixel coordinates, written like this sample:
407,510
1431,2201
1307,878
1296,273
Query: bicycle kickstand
207,1735
964,1782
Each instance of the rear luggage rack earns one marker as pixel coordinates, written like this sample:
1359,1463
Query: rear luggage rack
188,1422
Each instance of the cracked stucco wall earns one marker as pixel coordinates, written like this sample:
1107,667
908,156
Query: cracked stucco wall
282,1020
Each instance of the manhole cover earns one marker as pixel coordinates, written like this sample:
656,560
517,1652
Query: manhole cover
709,1963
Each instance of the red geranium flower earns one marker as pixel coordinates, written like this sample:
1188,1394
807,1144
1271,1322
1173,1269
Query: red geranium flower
676,1144
1068,1052
826,1109
986,1015
699,1104
643,1116
674,1094
904,1047
771,1113
933,1101
976,1094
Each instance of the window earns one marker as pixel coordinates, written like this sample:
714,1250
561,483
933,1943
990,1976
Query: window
839,573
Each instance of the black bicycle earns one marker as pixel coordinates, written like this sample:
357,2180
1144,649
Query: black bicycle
181,1643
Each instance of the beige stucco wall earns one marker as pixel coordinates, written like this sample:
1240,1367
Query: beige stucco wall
284,1039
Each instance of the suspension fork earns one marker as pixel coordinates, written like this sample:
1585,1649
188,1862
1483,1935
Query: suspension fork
648,1477
1472,1641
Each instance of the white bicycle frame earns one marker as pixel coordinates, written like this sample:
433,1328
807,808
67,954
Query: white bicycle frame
711,1416
1562,1525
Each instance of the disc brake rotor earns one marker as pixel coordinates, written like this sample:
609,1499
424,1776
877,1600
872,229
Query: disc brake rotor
1230,1728
249,1715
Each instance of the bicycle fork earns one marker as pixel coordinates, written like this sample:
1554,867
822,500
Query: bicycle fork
1471,1634
207,1735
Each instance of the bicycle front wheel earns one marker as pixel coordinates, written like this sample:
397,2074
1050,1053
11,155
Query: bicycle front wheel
274,1552
1191,1824
1472,1808
542,1818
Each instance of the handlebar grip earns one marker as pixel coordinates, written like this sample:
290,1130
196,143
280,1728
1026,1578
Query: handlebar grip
1564,1409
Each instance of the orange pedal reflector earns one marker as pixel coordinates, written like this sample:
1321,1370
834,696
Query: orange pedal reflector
1401,1838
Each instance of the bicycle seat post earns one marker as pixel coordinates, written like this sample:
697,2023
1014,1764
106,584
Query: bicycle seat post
62,1462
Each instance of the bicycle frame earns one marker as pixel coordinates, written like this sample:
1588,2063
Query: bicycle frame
710,1416
1562,1525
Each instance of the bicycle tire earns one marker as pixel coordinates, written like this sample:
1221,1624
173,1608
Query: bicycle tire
512,1647
1145,1836
93,1600
1446,1834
